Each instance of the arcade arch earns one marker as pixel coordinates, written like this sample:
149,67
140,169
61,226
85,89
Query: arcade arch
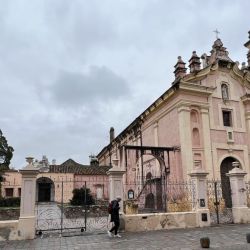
45,190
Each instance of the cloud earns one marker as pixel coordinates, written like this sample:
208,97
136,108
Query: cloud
98,84
54,102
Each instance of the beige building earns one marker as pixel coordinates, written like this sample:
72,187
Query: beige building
55,183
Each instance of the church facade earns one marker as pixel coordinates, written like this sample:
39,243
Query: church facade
201,122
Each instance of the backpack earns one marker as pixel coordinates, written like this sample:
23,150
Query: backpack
110,208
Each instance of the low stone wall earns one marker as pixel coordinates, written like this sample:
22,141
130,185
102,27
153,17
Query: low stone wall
241,215
147,222
9,230
72,212
9,213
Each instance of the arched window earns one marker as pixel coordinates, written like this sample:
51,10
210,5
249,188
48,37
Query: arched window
224,91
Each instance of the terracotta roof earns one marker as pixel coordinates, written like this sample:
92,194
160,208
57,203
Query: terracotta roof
10,170
70,166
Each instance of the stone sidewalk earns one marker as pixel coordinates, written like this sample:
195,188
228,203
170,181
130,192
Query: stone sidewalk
230,237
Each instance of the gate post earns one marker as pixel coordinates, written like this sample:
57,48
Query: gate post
239,198
116,183
27,219
200,202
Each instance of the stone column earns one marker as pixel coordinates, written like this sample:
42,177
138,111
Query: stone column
116,182
185,139
238,192
206,140
27,219
200,202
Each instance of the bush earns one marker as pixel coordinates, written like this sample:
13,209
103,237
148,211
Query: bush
10,202
79,197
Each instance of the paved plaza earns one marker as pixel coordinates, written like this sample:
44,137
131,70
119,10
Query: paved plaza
230,237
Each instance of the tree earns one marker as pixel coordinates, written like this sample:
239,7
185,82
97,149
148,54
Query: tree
79,197
6,153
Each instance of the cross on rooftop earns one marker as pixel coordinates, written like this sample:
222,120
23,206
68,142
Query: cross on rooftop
217,33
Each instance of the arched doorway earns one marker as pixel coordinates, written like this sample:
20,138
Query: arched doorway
45,189
225,167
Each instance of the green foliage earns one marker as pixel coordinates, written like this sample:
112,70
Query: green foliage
79,197
10,202
6,153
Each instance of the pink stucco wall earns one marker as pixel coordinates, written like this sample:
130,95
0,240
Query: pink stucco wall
209,137
168,133
63,184
12,180
214,106
94,183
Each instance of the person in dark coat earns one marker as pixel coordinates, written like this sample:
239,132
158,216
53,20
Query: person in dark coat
115,218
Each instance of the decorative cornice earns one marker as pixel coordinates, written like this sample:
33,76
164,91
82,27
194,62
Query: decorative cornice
242,76
204,110
245,98
198,173
237,71
188,104
200,74
115,172
192,87
236,172
185,108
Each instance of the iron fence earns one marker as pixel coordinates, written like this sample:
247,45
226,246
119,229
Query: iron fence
71,206
181,196
157,194
219,201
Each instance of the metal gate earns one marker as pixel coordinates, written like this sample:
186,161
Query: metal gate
220,202
87,212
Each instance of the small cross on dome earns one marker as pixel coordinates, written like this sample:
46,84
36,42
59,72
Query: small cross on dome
217,33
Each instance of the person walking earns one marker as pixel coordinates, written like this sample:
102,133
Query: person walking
115,218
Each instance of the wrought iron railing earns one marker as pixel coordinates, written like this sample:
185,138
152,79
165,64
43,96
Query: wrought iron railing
65,214
219,201
160,195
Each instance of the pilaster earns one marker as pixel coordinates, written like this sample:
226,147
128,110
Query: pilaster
27,217
239,199
200,203
207,140
116,183
238,187
185,140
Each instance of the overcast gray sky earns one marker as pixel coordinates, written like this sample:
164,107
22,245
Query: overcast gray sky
71,69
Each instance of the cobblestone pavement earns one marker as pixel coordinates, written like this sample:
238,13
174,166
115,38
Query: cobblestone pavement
229,237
